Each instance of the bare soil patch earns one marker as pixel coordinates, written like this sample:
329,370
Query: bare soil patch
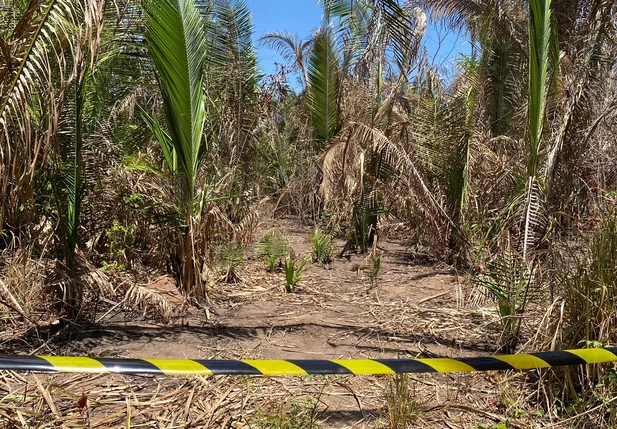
414,311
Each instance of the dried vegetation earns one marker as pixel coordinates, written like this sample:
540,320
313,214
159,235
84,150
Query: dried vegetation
137,170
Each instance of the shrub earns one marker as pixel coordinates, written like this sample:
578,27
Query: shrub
273,247
120,241
232,257
403,409
323,245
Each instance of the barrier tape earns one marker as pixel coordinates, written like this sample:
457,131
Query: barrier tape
280,368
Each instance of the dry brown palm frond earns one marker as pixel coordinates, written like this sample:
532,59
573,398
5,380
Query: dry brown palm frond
507,15
147,300
94,278
86,279
22,283
398,181
245,229
8,300
128,104
340,166
53,25
403,162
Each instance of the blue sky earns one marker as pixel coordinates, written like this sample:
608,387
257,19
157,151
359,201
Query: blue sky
302,16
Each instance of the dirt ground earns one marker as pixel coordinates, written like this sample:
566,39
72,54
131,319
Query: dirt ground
418,308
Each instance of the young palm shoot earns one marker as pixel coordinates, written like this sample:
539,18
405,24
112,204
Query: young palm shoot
293,271
323,245
539,56
177,43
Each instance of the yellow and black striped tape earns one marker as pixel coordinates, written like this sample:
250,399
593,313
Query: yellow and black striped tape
279,368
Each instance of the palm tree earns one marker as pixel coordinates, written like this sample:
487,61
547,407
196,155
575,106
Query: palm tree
232,79
33,57
292,47
177,43
47,75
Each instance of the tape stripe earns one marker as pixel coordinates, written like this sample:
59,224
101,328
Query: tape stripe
130,366
487,364
402,366
179,367
275,368
26,363
594,355
559,358
229,367
76,364
321,367
524,361
365,367
447,365
173,367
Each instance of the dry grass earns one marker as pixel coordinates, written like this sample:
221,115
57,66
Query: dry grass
104,401
57,401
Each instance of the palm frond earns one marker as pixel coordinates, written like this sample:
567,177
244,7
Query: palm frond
324,88
148,300
539,38
535,219
458,12
177,44
33,67
233,78
405,28
230,43
378,29
502,17
163,138
442,131
291,47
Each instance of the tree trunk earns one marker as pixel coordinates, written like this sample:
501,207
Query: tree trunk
190,262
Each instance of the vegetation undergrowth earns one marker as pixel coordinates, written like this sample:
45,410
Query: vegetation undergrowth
323,246
403,408
293,271
140,141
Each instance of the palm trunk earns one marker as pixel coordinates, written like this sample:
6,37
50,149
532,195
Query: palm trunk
188,277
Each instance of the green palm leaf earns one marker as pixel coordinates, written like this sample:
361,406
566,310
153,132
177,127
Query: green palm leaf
232,66
324,87
539,38
365,21
535,218
53,26
177,43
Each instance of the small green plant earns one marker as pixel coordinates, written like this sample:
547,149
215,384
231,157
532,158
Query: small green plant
323,245
509,278
273,247
120,239
297,415
403,409
232,257
293,273
374,269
